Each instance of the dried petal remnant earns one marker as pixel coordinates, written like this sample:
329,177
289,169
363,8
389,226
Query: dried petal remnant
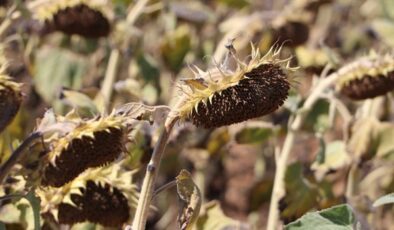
98,204
264,89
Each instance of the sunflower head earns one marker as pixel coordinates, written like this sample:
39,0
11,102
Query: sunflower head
87,18
3,3
89,143
10,96
222,96
367,77
104,196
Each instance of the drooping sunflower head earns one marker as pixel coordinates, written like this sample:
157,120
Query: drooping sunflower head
89,144
104,196
367,77
87,18
10,95
222,96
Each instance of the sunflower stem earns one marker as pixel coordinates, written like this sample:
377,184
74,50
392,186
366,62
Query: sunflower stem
152,169
281,165
110,78
17,154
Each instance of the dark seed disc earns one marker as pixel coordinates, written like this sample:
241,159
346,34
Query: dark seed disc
81,20
368,86
97,204
292,34
82,154
264,91
10,101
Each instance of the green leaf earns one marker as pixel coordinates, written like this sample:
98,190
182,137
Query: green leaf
362,139
337,217
57,68
335,157
321,154
175,47
148,68
235,3
301,193
385,137
387,199
385,29
317,118
213,218
79,101
35,204
253,135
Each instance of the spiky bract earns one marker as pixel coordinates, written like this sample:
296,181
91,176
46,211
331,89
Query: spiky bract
88,18
91,143
224,97
105,196
368,77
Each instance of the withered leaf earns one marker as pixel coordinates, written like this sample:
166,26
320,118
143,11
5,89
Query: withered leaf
139,111
190,200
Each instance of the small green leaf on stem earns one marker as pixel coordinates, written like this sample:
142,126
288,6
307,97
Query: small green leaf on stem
35,205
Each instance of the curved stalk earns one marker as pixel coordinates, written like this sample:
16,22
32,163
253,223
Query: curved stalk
17,154
152,169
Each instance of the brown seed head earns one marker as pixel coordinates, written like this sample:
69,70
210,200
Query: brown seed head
10,99
92,144
223,97
97,203
87,18
105,196
367,77
264,90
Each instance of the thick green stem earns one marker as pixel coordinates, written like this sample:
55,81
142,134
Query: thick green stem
150,176
281,164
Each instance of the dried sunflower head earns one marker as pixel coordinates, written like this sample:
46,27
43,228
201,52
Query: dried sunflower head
91,143
223,96
10,97
104,196
3,2
88,18
367,77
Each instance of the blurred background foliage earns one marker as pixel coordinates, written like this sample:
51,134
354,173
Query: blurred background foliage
233,165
